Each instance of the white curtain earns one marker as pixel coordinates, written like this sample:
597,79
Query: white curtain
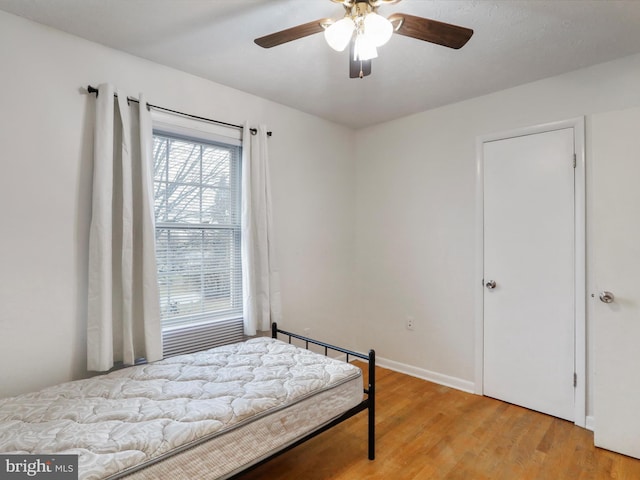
123,304
261,283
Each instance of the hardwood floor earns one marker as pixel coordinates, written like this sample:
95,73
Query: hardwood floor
427,431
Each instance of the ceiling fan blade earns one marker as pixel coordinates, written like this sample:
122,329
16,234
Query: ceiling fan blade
292,33
432,31
358,68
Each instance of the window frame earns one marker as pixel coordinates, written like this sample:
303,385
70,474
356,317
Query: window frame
197,331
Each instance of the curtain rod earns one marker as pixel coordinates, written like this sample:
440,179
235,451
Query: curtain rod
92,89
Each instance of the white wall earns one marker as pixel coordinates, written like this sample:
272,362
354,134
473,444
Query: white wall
399,224
415,234
45,178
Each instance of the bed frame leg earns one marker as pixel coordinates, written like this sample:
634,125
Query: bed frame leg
372,404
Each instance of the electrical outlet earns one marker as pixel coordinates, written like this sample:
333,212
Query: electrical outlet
410,323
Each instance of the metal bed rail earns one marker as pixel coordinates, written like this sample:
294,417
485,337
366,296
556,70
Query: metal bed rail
368,403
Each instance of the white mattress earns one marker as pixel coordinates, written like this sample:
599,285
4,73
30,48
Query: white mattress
243,400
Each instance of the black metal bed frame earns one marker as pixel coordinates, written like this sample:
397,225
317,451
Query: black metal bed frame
369,403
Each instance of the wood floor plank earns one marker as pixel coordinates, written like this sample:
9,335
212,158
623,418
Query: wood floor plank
430,432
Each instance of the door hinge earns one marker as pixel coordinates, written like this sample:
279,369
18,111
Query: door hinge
575,379
575,160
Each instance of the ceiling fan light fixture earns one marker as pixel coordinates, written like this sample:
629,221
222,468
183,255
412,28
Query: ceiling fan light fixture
339,34
377,28
364,31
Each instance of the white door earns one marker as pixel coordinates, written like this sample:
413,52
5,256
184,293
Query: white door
616,252
529,271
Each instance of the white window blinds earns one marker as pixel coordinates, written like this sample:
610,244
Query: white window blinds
197,211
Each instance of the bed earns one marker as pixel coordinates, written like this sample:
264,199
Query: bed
209,415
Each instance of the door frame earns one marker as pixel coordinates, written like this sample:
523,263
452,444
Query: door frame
580,327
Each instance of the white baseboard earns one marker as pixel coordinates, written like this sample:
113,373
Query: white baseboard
591,423
447,381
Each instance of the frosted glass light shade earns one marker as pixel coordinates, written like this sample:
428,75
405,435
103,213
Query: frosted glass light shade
338,34
378,29
364,48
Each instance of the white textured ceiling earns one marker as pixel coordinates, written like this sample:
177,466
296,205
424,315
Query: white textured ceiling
515,42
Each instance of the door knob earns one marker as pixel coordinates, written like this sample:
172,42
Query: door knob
491,284
607,297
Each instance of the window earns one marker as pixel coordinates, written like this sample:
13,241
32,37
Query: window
197,210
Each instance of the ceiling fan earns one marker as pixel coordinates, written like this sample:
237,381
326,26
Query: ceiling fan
364,30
